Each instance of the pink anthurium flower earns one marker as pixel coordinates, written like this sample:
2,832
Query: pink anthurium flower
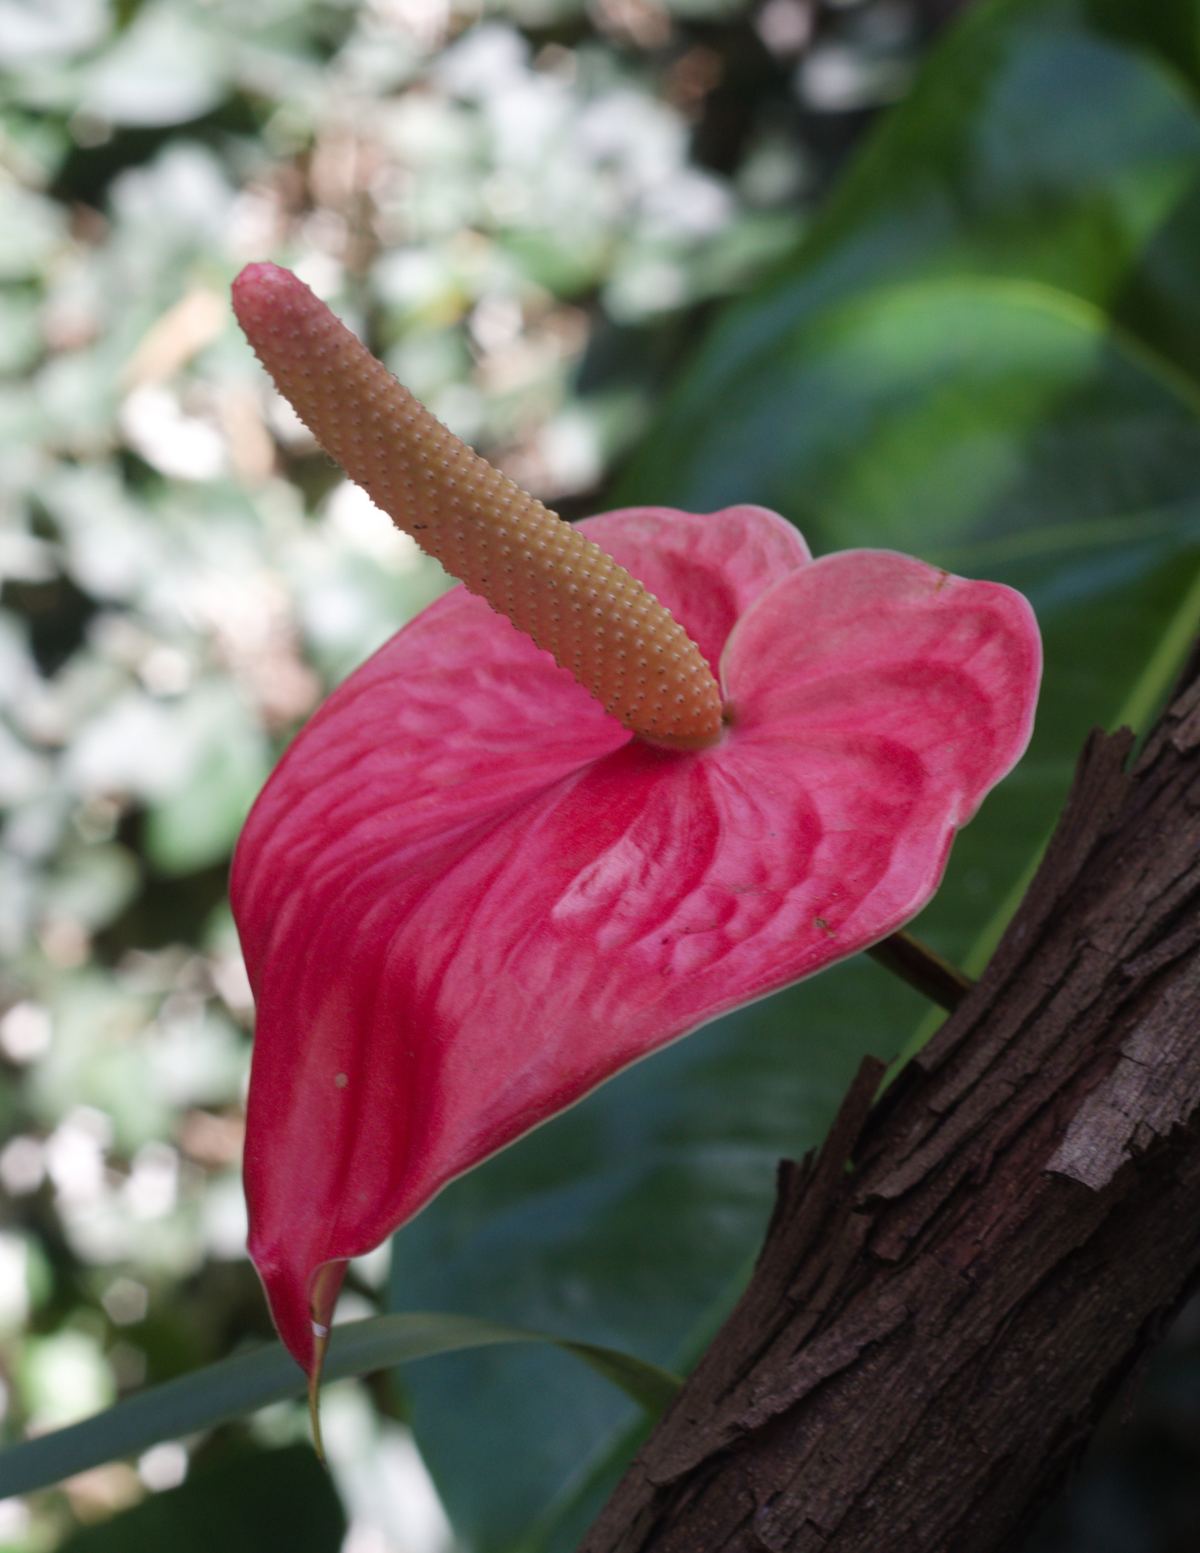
470,893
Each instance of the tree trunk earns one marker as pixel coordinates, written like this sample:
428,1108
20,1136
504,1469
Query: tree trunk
931,1335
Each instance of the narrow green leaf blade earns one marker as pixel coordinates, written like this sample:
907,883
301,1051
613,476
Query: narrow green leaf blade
653,1388
269,1374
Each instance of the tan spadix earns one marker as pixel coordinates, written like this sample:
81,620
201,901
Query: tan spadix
552,583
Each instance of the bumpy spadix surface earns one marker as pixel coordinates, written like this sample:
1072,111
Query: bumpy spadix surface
572,599
467,895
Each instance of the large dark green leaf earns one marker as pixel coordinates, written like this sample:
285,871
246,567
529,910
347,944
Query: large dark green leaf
635,1212
984,355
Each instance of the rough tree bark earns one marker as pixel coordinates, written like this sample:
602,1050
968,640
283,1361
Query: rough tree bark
931,1335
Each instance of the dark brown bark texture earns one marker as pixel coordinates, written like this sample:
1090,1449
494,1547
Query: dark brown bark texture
931,1335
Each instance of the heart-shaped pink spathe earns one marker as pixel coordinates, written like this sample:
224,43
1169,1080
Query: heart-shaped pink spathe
467,895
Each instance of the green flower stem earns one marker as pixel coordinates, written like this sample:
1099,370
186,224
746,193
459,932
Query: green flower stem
918,965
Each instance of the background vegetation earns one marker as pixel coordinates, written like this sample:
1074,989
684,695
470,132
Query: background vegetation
978,341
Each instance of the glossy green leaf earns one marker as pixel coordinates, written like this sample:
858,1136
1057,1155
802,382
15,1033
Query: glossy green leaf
1046,140
983,355
268,1374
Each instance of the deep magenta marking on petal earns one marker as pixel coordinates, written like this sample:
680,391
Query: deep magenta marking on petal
466,896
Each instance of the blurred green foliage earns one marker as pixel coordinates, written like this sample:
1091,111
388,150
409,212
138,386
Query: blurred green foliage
257,1502
985,350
